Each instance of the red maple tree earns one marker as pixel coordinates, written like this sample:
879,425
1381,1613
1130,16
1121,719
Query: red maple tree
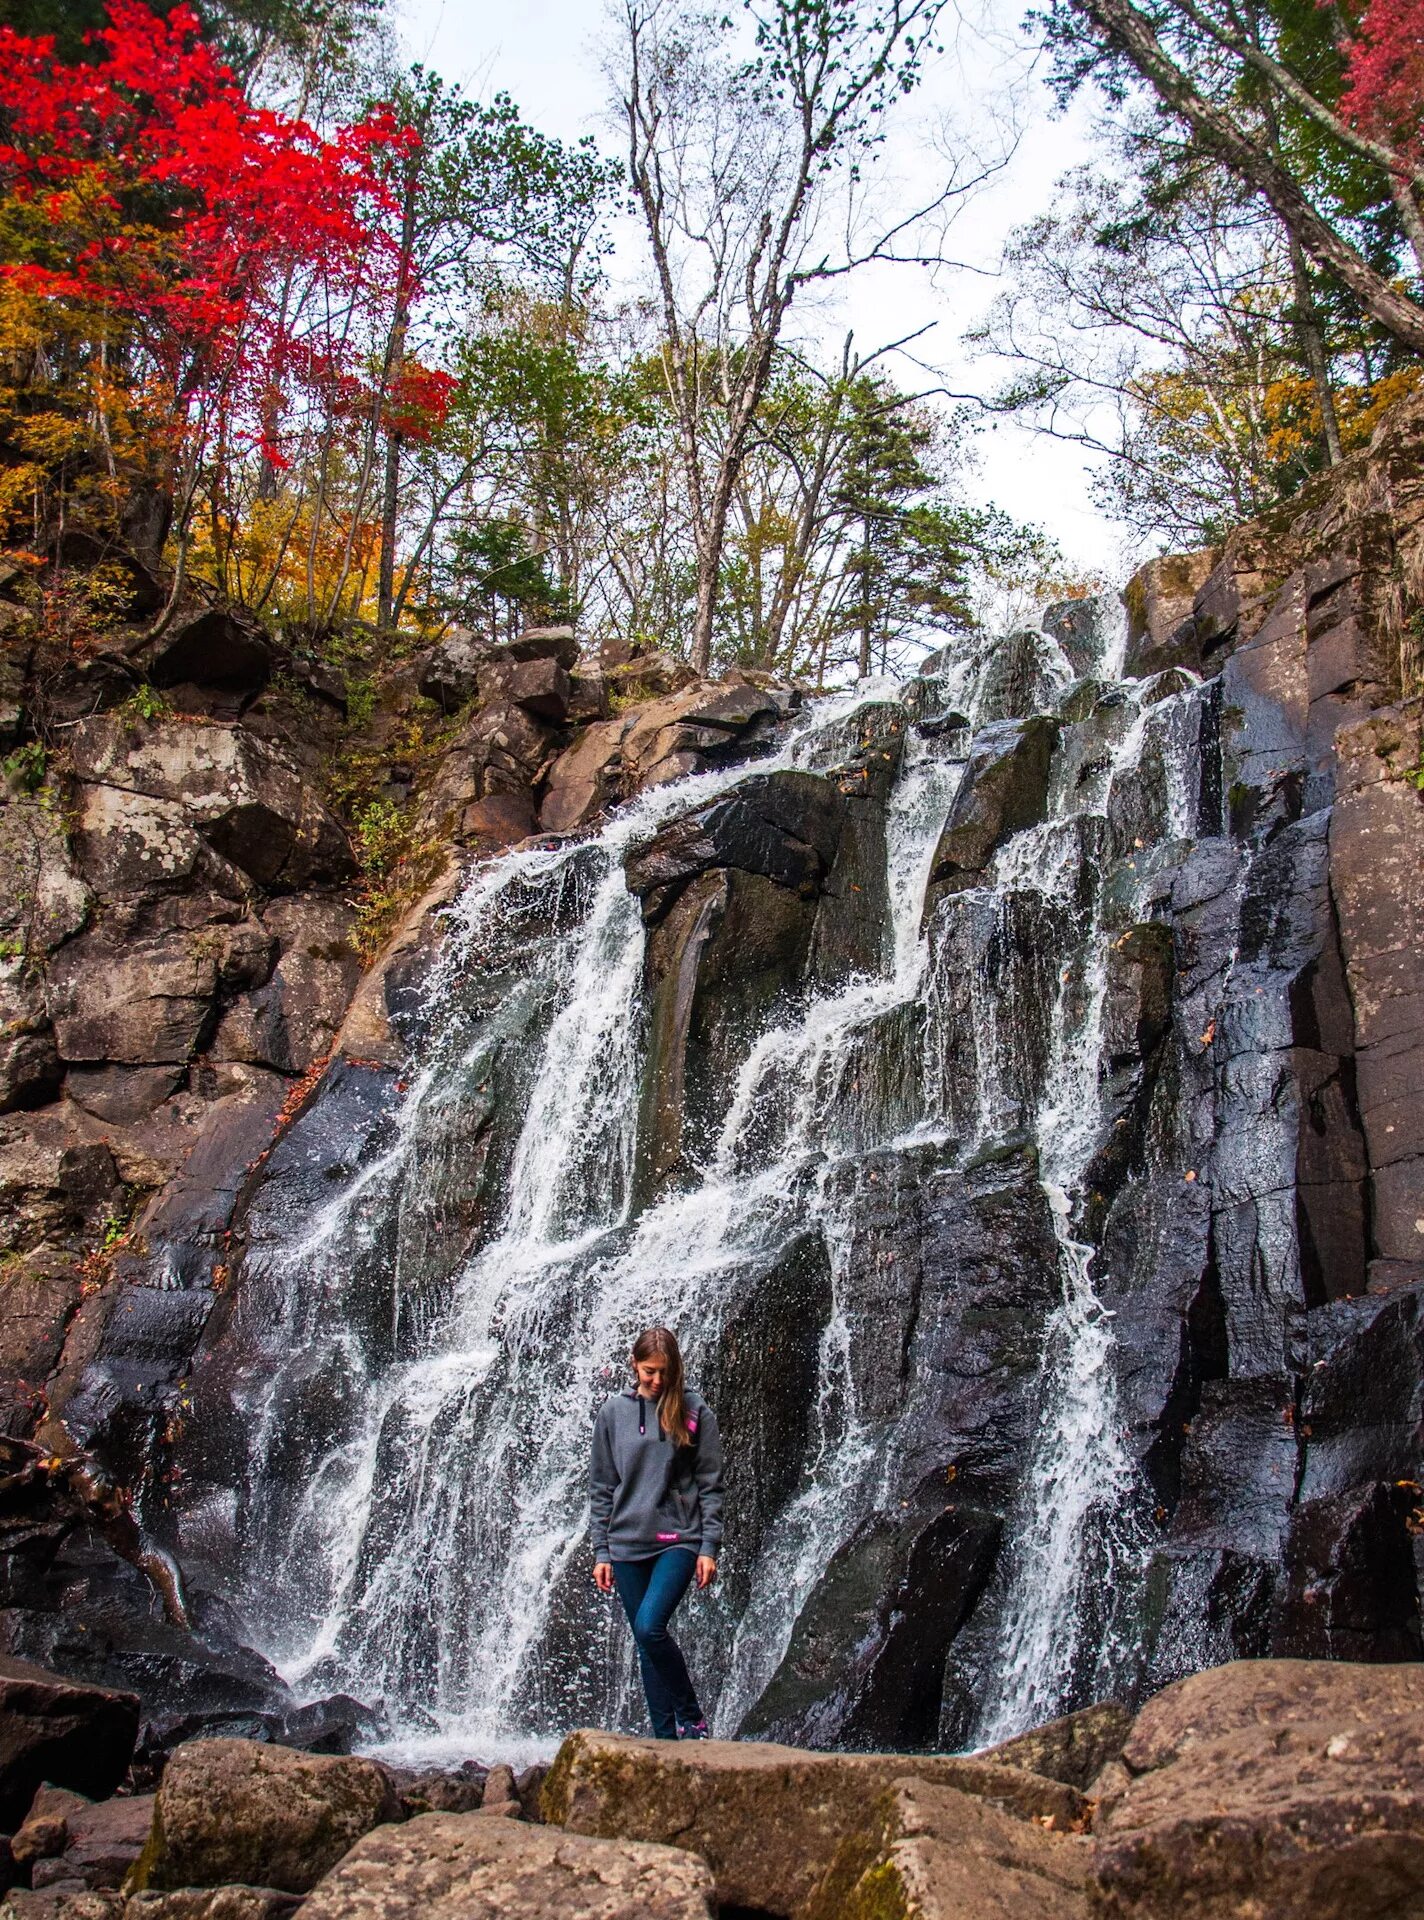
146,187
1384,92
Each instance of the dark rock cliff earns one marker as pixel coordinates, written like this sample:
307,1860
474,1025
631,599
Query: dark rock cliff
192,1054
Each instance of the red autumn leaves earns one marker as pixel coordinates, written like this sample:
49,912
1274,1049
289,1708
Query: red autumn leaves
246,251
1384,95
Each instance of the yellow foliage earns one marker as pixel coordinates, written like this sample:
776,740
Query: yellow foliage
83,432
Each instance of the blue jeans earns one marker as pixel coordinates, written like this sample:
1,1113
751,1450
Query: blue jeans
650,1591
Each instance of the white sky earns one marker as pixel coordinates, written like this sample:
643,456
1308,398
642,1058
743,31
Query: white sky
545,54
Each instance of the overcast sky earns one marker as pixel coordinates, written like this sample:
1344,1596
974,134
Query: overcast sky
545,53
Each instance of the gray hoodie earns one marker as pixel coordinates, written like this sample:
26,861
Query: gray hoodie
645,1494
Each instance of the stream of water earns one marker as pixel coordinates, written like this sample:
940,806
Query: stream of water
431,1548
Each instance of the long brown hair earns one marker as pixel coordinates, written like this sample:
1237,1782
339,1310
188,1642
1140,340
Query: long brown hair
672,1401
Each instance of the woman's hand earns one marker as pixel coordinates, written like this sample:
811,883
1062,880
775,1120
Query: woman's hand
603,1576
706,1569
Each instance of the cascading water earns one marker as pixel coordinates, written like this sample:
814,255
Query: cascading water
436,1338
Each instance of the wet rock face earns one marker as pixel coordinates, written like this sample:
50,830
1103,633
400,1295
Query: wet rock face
1005,789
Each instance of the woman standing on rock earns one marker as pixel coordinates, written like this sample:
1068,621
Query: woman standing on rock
655,1499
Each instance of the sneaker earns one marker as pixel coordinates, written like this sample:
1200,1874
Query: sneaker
697,1732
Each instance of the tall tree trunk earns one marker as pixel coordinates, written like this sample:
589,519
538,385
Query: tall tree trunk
1411,218
1378,295
390,501
391,368
1307,325
864,662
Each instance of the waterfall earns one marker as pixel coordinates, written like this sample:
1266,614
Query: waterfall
436,1338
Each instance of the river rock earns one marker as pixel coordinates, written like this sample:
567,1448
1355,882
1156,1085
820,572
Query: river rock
445,1866
57,1730
44,1831
1073,1749
927,1852
98,1842
213,1903
239,1810
1275,1788
767,1819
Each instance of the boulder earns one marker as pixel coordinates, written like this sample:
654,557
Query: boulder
540,686
691,728
449,1866
53,1729
247,798
433,1791
766,1819
295,1018
30,1070
1273,1787
502,820
44,1831
505,747
129,843
1005,789
1159,599
213,1903
784,826
93,1842
587,777
449,673
240,1810
928,1852
1073,1749
70,1901
221,650
153,999
559,644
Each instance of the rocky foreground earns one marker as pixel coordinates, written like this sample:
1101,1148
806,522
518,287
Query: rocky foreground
1262,1790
